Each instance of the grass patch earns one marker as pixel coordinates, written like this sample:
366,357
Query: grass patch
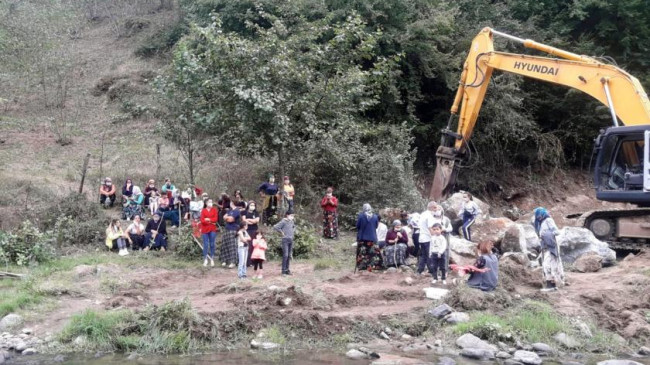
532,322
99,329
275,335
12,300
325,263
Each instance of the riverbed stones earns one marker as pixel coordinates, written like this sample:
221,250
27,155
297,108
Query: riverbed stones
440,311
511,362
527,357
384,336
408,281
468,340
259,345
644,351
444,360
10,321
477,354
27,331
435,293
619,362
584,329
503,355
29,351
355,354
284,302
457,317
406,337
542,349
20,346
566,340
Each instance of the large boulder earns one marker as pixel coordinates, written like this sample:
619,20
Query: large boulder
10,321
575,242
470,341
454,204
491,229
520,238
527,357
462,252
589,262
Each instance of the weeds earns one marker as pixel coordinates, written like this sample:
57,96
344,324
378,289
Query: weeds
13,300
325,263
99,329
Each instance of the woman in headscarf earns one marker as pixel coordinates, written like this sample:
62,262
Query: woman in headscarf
551,261
127,190
368,252
396,244
133,205
252,219
329,203
269,194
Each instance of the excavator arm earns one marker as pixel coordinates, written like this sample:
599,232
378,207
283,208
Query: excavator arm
610,85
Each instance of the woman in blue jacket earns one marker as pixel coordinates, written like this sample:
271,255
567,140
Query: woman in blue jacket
368,252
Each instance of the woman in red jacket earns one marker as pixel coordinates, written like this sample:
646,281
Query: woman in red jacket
209,218
330,215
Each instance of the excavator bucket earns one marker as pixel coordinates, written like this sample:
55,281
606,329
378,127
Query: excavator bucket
444,178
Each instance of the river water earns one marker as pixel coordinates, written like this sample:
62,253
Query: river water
314,357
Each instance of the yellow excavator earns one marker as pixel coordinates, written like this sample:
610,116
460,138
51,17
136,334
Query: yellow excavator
622,167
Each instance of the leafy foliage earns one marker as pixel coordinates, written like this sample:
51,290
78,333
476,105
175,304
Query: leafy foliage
28,244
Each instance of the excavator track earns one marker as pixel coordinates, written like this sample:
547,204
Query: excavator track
622,229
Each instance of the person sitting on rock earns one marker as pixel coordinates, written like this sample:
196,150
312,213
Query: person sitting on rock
484,274
107,193
551,261
396,243
156,233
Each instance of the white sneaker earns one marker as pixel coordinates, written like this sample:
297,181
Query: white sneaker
212,262
444,282
126,252
123,252
205,262
434,281
223,264
128,219
231,266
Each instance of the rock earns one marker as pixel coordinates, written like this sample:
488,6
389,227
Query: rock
388,330
391,270
619,362
446,361
462,252
408,281
566,340
275,288
416,347
10,321
133,356
575,242
589,262
371,354
406,269
384,336
468,340
542,348
435,293
84,270
80,341
644,351
258,345
27,331
406,337
519,258
20,346
59,358
511,362
585,331
440,311
619,339
455,202
29,351
503,355
512,213
527,357
284,302
477,354
356,355
491,229
457,317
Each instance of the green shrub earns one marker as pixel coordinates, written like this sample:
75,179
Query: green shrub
163,40
27,244
184,244
75,220
304,241
101,330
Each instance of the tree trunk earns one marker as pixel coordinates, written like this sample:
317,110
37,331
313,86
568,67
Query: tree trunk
281,165
190,156
83,173
158,162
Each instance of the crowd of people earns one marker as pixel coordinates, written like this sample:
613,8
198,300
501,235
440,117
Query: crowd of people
424,236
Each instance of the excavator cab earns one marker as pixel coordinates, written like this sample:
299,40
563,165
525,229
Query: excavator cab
622,169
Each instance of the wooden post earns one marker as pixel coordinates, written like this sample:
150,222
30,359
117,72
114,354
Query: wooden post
101,164
83,173
158,161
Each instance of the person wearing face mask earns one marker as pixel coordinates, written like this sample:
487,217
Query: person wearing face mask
107,193
426,224
288,192
446,229
237,197
155,233
330,204
228,253
468,212
268,191
133,205
209,218
136,234
287,228
127,190
252,219
116,238
396,243
368,252
150,193
168,188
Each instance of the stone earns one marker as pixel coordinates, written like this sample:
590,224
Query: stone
519,258
388,330
491,229
589,262
511,362
284,302
457,317
644,351
477,354
462,252
59,358
512,213
440,311
133,356
406,337
384,336
438,343
356,355
584,329
27,331
391,270
575,242
10,321
566,340
468,340
502,346
80,341
416,347
446,361
454,204
20,346
527,357
435,293
84,270
619,362
29,351
542,348
371,354
408,281
503,355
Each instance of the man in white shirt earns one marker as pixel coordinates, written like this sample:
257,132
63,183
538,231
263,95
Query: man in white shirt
425,224
382,230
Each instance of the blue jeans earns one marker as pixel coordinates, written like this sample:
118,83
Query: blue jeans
437,263
242,255
423,257
468,220
172,215
287,250
209,240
